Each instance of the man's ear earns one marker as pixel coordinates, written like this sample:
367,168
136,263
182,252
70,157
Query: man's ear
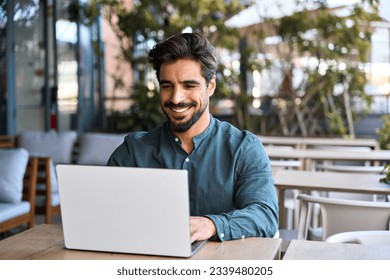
212,85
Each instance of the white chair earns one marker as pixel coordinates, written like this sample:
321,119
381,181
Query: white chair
340,215
366,237
343,166
51,148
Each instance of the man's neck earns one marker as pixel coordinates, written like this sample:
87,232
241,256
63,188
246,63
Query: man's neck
187,137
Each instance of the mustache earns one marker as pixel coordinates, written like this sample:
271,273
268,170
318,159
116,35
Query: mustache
170,104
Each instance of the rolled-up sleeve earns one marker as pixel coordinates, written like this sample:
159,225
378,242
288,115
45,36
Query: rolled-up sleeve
255,199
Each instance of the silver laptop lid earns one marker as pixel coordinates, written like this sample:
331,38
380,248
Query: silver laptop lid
127,210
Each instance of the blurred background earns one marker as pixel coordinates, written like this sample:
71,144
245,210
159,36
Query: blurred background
291,68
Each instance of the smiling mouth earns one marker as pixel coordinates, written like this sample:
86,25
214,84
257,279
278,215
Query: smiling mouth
180,110
179,107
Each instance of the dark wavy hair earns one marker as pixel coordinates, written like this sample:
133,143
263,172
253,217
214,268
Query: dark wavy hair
192,46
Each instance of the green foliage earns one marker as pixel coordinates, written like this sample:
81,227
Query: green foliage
384,133
320,104
386,171
150,21
337,48
143,115
384,142
335,122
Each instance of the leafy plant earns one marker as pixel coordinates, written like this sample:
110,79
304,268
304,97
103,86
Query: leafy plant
386,171
143,115
315,66
384,133
138,25
320,104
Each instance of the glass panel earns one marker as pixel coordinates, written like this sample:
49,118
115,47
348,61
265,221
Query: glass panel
67,64
74,57
3,66
29,63
379,71
66,32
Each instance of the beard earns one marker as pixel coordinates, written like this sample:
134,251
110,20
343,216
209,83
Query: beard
175,124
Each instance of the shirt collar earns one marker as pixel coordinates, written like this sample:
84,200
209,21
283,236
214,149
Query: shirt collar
197,139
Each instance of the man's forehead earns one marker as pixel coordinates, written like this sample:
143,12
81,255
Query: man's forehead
181,70
189,63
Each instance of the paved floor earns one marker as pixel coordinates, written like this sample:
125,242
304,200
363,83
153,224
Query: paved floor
287,236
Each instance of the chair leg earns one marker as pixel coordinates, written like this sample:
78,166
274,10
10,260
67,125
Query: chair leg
31,223
289,218
48,216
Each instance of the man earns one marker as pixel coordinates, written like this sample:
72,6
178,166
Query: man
232,194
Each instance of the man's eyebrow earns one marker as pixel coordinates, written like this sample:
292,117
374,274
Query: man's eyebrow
165,82
195,82
191,82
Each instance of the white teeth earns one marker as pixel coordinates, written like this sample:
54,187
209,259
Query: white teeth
180,110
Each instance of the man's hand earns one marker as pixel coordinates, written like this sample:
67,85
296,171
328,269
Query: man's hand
202,228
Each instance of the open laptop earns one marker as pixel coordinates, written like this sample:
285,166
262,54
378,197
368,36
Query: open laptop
126,210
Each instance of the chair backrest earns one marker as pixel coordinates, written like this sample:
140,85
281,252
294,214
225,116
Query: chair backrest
13,164
56,145
7,141
340,215
50,148
95,148
366,237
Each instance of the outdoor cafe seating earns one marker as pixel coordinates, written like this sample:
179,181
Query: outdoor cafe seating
314,215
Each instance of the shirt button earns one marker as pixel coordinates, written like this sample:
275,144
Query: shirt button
177,139
222,235
243,236
187,159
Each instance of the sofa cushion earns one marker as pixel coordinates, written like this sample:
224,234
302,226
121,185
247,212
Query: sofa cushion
57,145
13,164
95,148
12,210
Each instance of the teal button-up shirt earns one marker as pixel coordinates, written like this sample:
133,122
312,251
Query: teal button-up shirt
230,179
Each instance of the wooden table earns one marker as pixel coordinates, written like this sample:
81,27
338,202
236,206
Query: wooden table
317,250
326,181
307,156
46,242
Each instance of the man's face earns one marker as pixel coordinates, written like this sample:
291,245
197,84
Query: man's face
184,94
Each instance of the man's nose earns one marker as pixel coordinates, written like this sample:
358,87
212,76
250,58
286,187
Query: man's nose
177,95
